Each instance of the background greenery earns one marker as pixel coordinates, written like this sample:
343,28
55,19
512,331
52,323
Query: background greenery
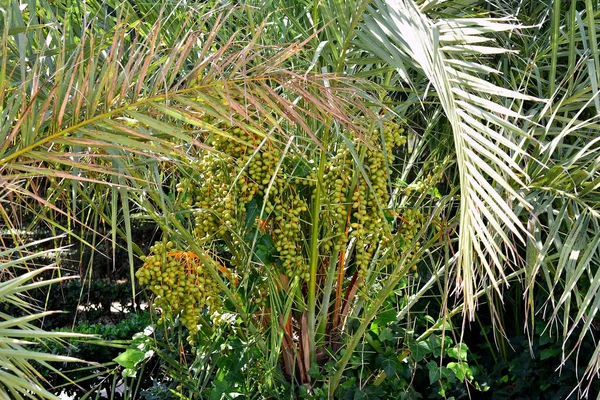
489,278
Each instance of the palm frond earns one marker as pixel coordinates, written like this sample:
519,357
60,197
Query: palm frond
449,53
20,377
562,256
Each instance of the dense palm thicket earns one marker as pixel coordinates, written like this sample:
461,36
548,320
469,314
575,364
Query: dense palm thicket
349,199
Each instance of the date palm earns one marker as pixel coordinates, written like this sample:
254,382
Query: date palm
106,106
108,103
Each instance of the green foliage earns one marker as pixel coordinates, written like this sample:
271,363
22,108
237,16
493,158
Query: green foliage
396,362
100,342
19,364
528,369
101,351
272,118
218,365
97,298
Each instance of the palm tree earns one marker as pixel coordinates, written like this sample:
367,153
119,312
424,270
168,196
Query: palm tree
524,124
107,101
108,106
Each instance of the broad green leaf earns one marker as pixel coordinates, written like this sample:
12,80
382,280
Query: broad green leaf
459,352
129,358
419,350
462,370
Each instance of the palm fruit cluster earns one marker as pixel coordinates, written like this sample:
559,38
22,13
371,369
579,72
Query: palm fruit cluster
411,222
219,202
356,208
336,183
247,167
287,233
180,284
244,167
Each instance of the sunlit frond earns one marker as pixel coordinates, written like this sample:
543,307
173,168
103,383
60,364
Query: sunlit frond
485,128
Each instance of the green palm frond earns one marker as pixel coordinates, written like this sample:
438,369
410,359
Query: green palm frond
563,259
20,377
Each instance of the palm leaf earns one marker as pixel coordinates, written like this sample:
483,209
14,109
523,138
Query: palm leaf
20,378
448,52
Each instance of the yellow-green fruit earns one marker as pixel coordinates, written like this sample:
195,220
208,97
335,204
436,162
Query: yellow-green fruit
179,284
